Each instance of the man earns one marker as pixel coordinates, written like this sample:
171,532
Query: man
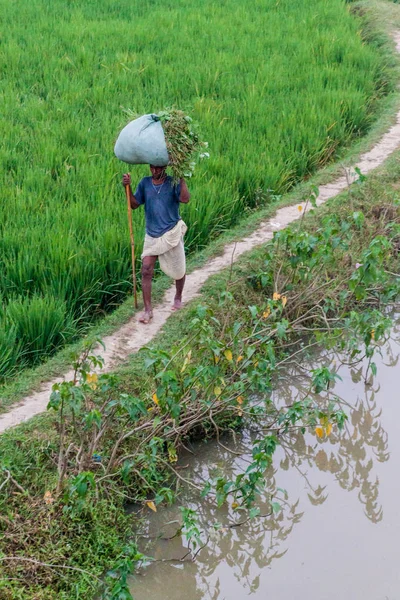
164,231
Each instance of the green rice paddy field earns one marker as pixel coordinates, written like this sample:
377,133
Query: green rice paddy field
278,86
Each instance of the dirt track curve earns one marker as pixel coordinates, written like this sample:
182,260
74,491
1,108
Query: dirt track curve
132,336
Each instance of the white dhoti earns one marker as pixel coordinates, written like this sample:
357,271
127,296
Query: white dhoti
169,249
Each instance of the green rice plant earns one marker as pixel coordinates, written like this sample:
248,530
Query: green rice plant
39,325
277,87
11,354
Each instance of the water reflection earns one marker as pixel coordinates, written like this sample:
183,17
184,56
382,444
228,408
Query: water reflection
240,561
348,455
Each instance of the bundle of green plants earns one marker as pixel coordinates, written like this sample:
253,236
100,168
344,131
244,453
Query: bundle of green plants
184,144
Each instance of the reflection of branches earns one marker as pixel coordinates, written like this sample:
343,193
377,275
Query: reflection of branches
189,556
230,543
350,463
349,455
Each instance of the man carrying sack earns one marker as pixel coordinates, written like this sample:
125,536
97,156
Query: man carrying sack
164,231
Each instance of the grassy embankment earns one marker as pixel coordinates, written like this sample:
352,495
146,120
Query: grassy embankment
275,103
81,530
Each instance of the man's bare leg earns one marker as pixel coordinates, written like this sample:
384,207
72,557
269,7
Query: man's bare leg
179,283
147,277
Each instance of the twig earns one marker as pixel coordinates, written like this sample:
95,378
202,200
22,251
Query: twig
6,480
179,476
42,564
201,548
188,553
240,523
17,485
231,265
218,440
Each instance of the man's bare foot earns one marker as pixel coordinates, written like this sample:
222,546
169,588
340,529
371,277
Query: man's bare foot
177,304
146,317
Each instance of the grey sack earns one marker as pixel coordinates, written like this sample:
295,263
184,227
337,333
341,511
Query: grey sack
142,141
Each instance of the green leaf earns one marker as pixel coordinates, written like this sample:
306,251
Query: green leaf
149,362
358,218
253,311
276,507
93,417
206,489
254,512
55,401
237,327
361,177
281,328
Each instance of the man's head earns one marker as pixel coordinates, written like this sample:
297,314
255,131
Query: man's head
158,173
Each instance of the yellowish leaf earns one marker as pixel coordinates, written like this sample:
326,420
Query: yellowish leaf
151,505
373,334
319,431
239,358
256,364
329,429
185,364
173,457
217,391
92,379
155,399
228,355
235,504
276,296
186,361
239,400
48,498
216,359
284,300
299,208
266,313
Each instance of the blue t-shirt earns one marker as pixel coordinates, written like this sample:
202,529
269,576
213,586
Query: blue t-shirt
161,205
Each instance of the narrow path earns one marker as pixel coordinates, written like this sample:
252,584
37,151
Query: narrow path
132,336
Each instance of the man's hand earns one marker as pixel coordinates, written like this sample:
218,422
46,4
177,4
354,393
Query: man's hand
126,179
184,196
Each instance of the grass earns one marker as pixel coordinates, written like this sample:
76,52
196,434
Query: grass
275,103
92,541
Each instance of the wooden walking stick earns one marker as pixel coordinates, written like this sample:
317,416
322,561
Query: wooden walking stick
128,198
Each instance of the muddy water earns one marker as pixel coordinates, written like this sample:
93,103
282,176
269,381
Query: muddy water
338,537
